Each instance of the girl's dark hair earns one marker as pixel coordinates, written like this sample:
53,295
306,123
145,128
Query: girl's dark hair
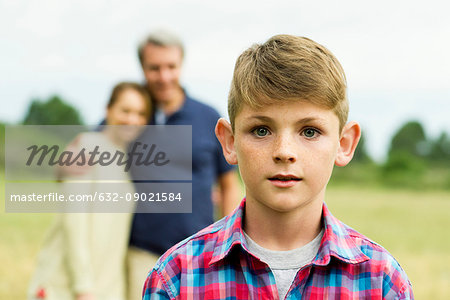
122,86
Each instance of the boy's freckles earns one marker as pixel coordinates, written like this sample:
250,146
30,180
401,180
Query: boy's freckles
286,152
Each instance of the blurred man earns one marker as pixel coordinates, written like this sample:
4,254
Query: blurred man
161,57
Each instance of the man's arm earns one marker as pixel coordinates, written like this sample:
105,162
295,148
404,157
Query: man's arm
230,192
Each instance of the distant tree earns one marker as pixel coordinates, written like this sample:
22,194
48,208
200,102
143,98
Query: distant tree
440,149
410,138
361,154
406,162
2,144
54,111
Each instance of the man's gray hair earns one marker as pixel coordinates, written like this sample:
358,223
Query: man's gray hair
163,38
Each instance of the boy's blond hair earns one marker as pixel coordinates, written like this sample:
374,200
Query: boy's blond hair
284,68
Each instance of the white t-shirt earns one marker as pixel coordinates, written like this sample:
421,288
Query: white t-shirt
285,264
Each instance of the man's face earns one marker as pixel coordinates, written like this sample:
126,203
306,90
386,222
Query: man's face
286,153
162,69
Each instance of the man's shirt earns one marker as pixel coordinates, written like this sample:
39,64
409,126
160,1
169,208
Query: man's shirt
215,264
158,232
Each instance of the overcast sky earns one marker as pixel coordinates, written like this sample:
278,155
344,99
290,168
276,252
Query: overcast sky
396,54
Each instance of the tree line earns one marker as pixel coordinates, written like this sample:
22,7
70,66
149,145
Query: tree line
414,160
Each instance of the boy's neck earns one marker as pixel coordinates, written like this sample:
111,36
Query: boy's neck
282,231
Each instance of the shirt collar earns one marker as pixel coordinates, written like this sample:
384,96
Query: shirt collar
187,102
186,107
230,235
338,239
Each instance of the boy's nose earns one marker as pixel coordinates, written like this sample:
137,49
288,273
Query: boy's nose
285,150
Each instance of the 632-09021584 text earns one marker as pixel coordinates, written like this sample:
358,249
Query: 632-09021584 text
97,196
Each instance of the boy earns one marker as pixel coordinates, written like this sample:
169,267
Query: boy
288,111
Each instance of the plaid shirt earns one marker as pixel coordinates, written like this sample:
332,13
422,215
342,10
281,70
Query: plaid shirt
215,264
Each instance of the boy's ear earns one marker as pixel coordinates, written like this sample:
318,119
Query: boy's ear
347,144
224,134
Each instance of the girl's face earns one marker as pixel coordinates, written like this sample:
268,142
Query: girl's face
130,108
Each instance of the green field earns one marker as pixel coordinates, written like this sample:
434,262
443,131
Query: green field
412,225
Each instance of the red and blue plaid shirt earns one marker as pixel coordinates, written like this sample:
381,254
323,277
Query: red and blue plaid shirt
215,264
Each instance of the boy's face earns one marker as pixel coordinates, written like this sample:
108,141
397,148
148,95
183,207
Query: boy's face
286,152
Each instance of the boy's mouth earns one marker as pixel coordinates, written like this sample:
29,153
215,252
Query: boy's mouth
284,178
284,181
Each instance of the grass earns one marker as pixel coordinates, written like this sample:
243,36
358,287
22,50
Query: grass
20,238
412,225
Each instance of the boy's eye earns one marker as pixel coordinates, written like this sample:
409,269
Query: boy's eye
261,131
310,132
